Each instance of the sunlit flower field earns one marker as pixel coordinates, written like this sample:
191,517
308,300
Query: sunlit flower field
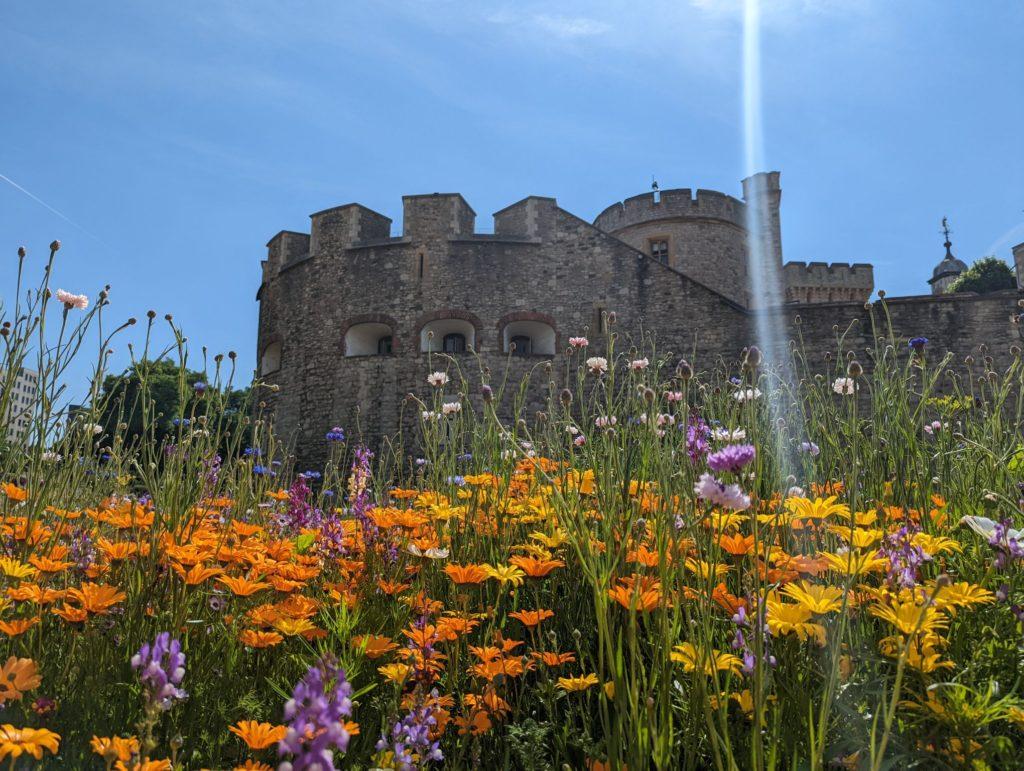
756,564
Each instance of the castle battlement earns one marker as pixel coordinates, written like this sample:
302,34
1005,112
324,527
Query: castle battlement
807,282
679,203
342,226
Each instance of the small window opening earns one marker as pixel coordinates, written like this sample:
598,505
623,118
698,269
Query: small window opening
659,250
520,345
454,343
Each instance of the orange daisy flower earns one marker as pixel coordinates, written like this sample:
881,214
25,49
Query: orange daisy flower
258,736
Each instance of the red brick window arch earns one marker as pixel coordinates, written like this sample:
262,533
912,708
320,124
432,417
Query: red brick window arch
528,334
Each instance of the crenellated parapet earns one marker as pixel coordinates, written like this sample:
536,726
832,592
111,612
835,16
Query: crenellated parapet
341,227
822,282
681,203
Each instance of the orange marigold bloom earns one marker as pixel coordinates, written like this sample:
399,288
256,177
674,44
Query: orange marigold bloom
466,574
243,587
549,659
16,742
17,626
374,646
450,627
115,747
116,550
509,667
34,593
146,765
71,614
737,545
16,677
532,618
643,595
49,565
536,568
391,587
257,639
727,601
258,736
197,574
96,598
14,492
254,765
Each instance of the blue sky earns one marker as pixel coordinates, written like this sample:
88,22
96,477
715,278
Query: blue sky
178,137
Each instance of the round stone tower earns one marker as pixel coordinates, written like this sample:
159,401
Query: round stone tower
702,234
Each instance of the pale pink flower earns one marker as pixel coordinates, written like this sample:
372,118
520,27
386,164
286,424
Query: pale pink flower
579,342
606,422
845,386
437,379
673,396
450,408
638,364
69,300
598,365
580,440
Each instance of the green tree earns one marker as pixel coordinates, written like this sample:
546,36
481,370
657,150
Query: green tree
989,274
174,394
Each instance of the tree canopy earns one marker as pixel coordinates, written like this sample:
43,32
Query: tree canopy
154,397
989,274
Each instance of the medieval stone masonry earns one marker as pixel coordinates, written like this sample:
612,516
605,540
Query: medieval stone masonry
350,315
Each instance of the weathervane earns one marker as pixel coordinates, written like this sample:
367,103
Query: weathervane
946,231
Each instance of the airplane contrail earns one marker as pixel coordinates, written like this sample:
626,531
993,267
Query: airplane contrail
47,206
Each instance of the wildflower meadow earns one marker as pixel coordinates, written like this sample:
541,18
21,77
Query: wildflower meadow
759,564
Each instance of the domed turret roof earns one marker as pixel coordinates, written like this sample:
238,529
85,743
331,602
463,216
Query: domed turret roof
949,265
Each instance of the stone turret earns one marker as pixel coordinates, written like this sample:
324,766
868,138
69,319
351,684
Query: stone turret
1018,261
948,269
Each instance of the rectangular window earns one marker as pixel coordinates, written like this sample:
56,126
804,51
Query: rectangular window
659,249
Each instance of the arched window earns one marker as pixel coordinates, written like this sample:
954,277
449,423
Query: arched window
520,345
454,342
270,361
448,336
370,338
531,338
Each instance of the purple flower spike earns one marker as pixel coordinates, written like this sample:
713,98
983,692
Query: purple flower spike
315,715
161,668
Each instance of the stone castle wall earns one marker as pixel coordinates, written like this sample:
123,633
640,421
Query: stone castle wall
541,265
558,269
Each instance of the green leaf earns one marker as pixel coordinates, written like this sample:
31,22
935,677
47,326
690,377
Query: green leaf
303,542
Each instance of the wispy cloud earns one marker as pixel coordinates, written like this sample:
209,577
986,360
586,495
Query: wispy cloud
563,27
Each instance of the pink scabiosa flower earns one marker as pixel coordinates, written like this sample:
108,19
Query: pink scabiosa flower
578,342
437,379
639,364
606,421
597,365
731,458
69,300
747,394
673,396
844,386
934,427
580,440
708,488
451,408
